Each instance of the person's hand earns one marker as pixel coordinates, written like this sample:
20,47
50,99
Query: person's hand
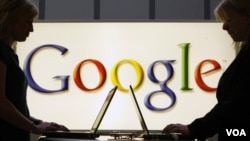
48,126
177,128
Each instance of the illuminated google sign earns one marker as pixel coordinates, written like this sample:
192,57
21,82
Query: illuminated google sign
139,74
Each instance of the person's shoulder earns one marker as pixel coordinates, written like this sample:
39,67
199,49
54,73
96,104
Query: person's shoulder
3,52
2,45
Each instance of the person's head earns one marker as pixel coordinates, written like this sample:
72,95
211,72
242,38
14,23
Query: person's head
16,19
235,15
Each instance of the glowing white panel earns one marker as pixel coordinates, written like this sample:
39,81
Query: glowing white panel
111,42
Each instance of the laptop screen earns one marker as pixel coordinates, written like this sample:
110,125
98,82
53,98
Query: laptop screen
138,111
103,110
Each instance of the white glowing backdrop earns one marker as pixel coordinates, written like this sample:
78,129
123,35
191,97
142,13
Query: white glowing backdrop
110,42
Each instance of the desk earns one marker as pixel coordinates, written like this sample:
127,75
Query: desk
121,135
60,139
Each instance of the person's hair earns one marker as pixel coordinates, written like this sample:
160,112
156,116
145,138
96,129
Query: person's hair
239,6
11,10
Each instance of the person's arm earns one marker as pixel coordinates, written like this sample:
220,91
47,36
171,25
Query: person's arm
232,109
8,112
35,120
206,126
199,128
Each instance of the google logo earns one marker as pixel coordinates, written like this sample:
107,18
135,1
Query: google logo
138,70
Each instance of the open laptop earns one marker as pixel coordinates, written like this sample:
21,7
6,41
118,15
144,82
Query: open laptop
156,134
81,134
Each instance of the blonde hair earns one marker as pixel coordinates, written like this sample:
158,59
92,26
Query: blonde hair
239,6
10,10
